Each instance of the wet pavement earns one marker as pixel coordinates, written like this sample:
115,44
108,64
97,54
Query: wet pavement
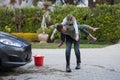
97,64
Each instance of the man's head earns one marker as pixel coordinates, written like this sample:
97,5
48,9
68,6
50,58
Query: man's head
70,19
61,28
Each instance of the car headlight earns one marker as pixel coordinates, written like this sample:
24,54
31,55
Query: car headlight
10,42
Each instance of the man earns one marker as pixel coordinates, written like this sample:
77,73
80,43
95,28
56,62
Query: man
68,34
69,19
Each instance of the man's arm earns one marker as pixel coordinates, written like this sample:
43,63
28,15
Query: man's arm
62,37
53,34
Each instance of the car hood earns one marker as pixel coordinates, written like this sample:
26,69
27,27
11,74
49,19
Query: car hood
8,35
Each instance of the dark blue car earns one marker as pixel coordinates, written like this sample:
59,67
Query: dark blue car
14,51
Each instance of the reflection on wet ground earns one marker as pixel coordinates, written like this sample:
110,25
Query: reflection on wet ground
40,69
18,71
45,72
29,70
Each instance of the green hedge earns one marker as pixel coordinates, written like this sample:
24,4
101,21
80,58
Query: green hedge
105,17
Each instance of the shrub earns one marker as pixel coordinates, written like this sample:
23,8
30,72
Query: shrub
105,17
31,37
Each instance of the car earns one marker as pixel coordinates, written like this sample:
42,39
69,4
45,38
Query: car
14,51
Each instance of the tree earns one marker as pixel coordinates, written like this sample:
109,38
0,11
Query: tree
12,2
111,2
19,2
92,3
35,2
73,2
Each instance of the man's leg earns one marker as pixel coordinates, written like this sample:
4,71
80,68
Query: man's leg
69,41
77,53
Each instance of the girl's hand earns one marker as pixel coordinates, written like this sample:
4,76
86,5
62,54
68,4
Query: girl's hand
77,37
94,29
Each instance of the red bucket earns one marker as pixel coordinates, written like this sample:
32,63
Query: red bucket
38,60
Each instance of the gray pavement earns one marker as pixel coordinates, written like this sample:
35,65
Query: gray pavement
97,64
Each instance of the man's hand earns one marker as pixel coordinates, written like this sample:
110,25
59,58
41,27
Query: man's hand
77,37
60,44
52,36
52,26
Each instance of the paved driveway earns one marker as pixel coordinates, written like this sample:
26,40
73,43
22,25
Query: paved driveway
97,64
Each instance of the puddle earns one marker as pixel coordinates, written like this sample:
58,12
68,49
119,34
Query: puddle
29,70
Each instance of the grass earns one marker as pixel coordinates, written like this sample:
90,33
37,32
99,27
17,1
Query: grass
82,45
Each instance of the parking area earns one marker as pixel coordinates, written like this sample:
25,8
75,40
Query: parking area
97,64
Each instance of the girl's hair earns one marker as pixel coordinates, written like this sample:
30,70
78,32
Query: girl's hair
70,17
